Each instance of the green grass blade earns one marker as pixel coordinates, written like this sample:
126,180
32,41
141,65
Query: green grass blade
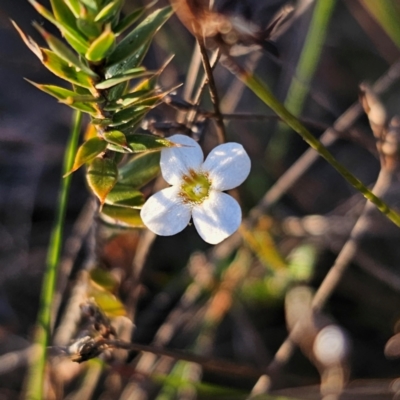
34,388
264,93
310,56
387,15
305,70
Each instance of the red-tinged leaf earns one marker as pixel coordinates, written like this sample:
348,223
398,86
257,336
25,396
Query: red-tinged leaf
122,216
31,44
102,175
100,48
140,35
88,151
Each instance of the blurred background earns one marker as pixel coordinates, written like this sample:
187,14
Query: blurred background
234,303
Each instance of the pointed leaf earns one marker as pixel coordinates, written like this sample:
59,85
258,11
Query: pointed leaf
62,69
127,100
101,46
67,97
62,13
139,36
109,11
128,115
140,143
130,19
102,176
135,73
130,126
88,27
72,35
74,6
30,43
131,62
63,51
92,4
117,91
88,151
121,216
101,121
116,137
140,170
125,196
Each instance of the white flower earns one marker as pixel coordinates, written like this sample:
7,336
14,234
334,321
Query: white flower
196,190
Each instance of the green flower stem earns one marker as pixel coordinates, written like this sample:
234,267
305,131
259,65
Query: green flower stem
34,388
264,93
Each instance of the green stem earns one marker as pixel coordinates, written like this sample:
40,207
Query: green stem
264,93
34,388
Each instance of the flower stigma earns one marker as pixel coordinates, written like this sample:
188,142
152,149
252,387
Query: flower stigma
195,187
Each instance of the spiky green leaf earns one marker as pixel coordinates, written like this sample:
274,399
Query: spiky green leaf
135,73
68,97
131,62
63,51
139,36
88,28
71,34
109,11
100,47
64,70
143,143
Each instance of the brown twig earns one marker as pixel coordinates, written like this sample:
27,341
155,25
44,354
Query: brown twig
213,90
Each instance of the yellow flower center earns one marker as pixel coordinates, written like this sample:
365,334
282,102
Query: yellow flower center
195,187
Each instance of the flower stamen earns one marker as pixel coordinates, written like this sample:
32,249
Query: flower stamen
195,187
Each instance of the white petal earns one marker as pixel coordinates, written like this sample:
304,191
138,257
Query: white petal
164,213
176,161
217,217
228,166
